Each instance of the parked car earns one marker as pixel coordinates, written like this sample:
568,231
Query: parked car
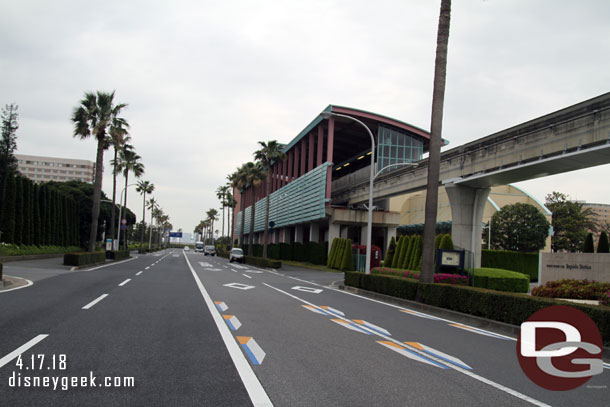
237,255
186,248
211,250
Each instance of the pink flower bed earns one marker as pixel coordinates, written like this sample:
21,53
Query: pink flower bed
438,278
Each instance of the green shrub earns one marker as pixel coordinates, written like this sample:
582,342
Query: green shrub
525,263
347,262
84,258
262,262
510,308
588,246
417,252
404,250
501,280
446,243
390,253
437,241
340,253
397,252
576,289
333,250
298,251
118,254
602,245
0,271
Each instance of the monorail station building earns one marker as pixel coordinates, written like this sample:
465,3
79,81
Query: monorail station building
333,153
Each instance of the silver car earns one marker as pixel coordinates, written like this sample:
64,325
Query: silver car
211,250
237,255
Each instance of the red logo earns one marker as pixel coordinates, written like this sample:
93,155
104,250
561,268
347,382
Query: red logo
559,348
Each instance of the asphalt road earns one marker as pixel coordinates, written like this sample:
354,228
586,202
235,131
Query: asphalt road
196,330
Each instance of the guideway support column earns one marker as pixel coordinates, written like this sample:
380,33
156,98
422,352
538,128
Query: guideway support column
467,205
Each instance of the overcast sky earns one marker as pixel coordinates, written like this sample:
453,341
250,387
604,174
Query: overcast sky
206,80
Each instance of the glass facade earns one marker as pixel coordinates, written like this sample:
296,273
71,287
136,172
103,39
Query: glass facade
395,147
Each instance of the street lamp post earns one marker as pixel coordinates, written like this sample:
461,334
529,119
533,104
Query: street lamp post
118,238
369,228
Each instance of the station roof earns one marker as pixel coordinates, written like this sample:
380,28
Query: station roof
351,137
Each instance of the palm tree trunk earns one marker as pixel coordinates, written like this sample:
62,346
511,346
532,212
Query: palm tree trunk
112,211
266,233
223,216
97,192
252,214
151,226
143,222
436,125
125,211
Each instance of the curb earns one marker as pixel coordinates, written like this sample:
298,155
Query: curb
477,322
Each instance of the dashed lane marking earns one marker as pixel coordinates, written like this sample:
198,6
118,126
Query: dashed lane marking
6,359
125,282
98,299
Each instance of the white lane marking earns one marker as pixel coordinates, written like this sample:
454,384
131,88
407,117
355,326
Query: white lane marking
459,369
478,331
213,269
307,289
239,286
255,390
439,354
6,359
253,271
147,268
112,264
153,265
125,282
204,264
29,283
98,299
239,266
247,276
410,354
176,255
139,272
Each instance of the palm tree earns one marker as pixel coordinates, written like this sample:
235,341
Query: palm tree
144,187
129,161
230,202
93,118
239,180
152,205
269,153
221,192
255,176
212,216
436,126
119,137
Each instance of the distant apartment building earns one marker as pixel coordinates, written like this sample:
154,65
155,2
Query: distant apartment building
43,169
600,214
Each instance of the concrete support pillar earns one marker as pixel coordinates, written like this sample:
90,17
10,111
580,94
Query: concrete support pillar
467,205
389,234
297,156
290,165
314,232
303,169
363,230
298,234
319,158
329,154
310,158
334,230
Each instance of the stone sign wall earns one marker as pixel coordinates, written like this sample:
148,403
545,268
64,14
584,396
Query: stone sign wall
577,266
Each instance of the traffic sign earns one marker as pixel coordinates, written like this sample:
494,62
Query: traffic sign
124,221
123,227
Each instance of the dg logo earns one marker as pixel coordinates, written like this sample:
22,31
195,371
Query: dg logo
560,348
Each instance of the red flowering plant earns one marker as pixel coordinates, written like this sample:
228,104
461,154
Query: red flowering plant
438,278
604,299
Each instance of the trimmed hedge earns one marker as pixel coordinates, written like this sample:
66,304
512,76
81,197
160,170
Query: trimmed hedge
84,258
510,308
118,254
0,271
262,262
501,280
569,288
525,263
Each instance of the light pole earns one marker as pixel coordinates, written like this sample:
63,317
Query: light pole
118,238
369,228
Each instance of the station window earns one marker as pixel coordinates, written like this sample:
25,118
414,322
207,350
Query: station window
395,147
